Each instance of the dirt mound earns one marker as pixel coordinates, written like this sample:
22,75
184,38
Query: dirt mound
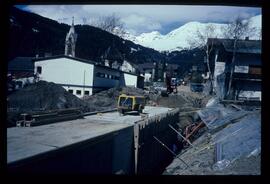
44,95
49,96
41,96
105,100
188,102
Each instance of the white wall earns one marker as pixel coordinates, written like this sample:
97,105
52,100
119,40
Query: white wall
219,69
130,80
147,77
66,71
241,69
250,94
127,67
78,88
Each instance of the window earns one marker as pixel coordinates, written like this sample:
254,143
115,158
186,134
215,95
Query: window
70,91
255,70
86,93
78,92
39,69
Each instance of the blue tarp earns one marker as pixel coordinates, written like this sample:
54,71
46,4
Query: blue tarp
235,133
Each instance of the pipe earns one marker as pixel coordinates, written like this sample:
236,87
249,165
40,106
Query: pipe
181,136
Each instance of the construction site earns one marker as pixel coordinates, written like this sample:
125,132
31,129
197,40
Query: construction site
111,116
182,133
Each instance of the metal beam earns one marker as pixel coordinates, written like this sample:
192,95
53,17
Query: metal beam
170,151
181,136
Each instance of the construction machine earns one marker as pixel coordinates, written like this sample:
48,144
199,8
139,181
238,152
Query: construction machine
171,83
130,103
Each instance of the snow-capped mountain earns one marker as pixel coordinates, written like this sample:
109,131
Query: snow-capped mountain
182,37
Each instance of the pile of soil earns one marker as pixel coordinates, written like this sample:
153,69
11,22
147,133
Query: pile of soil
106,100
50,96
44,95
188,102
41,96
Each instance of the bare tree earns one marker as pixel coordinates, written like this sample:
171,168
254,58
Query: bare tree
236,30
111,23
200,41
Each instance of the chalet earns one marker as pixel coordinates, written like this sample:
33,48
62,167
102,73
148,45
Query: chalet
83,77
246,69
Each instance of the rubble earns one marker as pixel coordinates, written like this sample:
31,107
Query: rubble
188,102
231,144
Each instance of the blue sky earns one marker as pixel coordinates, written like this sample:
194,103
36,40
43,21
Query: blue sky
138,19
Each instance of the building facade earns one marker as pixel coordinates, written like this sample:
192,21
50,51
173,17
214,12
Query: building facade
82,77
156,71
246,68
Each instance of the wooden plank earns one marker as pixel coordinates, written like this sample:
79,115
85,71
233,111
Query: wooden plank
136,146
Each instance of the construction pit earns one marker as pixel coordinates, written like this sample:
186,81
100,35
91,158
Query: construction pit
103,143
221,138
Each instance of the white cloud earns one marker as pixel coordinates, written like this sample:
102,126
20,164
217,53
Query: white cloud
140,23
143,18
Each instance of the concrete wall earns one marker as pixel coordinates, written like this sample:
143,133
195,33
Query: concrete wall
126,151
106,154
150,156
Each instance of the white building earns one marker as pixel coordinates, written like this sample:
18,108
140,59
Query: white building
82,77
127,67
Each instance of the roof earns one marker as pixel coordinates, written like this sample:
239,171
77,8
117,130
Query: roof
80,60
21,64
64,56
23,74
242,46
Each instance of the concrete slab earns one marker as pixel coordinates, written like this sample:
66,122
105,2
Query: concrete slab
24,142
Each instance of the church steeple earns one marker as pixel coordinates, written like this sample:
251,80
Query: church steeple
71,39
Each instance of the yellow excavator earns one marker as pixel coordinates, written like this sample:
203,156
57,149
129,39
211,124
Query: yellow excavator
130,103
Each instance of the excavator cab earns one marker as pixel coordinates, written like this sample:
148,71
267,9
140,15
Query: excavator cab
129,103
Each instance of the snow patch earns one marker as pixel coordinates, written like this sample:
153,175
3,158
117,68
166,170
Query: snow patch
35,30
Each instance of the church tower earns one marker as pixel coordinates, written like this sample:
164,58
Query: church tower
71,39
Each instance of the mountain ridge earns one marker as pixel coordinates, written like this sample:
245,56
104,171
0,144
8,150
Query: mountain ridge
179,38
31,34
